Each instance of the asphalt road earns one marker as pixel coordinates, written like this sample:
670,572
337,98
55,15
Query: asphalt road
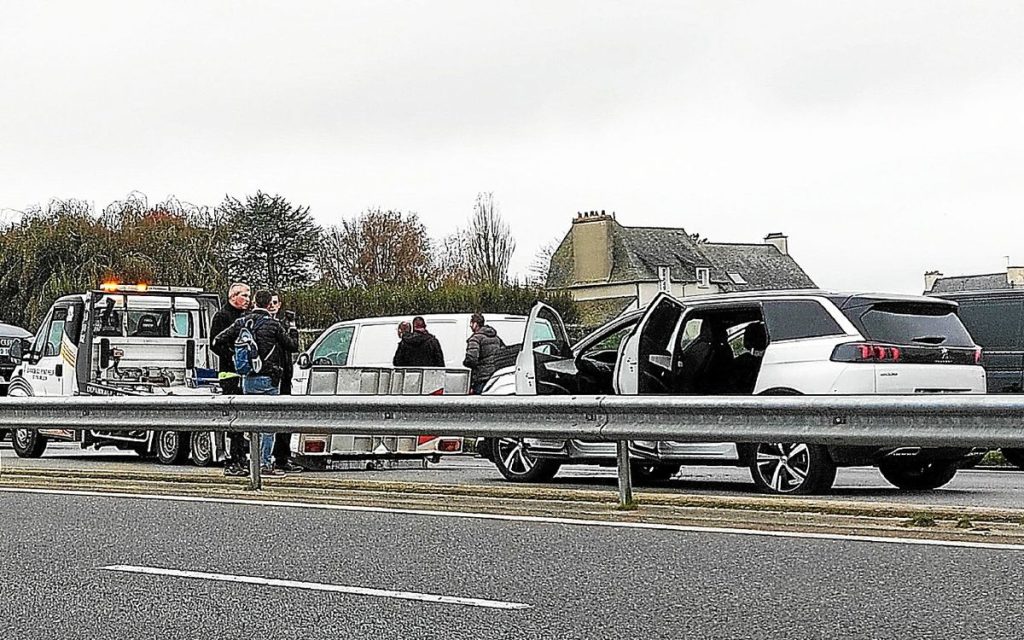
570,581
999,488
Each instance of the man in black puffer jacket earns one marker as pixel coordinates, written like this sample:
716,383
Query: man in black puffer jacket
484,350
274,343
418,348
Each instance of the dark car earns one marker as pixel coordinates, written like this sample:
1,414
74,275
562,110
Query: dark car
8,335
995,320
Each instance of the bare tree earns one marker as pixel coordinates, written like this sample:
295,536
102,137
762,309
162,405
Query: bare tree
490,243
541,265
377,247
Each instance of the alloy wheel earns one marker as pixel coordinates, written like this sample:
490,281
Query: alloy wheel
783,466
514,456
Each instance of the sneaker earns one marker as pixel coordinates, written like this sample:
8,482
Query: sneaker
270,471
235,470
290,467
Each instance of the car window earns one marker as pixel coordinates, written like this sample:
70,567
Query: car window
334,347
182,324
611,341
690,332
994,324
793,319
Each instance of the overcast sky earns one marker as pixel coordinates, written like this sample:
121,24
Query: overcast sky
885,138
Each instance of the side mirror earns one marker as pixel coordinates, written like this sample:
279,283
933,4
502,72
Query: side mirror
21,349
304,362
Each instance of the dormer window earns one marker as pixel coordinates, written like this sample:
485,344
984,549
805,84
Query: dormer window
703,277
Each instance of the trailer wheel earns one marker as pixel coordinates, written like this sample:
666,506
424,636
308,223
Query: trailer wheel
28,443
201,448
171,447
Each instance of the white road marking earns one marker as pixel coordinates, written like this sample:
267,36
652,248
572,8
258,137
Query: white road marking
996,546
317,586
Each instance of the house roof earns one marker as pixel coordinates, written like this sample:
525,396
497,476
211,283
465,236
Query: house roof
983,282
638,252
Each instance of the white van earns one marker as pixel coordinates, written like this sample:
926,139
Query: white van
371,342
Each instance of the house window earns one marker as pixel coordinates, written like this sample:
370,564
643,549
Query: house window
737,278
703,277
664,280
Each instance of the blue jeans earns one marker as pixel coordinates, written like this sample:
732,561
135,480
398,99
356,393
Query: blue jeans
262,386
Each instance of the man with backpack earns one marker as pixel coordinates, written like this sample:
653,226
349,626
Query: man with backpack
260,344
230,382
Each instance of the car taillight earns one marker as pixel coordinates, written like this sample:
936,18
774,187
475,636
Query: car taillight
977,355
422,440
866,352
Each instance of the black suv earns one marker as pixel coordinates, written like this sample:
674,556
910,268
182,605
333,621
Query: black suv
995,320
8,335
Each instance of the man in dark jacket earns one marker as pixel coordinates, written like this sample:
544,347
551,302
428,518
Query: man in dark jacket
420,348
273,342
484,350
231,384
283,440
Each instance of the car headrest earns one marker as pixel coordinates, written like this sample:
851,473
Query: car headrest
755,337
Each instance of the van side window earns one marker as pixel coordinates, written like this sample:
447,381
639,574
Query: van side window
994,324
792,319
334,348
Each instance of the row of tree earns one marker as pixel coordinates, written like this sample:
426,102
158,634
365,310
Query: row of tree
381,260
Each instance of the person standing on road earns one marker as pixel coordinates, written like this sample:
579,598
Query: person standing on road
283,441
419,348
230,382
483,353
273,343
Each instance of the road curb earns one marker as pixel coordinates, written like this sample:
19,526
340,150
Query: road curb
52,478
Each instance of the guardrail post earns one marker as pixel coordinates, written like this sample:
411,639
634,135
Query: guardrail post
255,482
625,475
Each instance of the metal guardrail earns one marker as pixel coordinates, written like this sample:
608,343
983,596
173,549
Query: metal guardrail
934,421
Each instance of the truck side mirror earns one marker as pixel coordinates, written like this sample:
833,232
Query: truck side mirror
104,353
190,354
21,349
304,361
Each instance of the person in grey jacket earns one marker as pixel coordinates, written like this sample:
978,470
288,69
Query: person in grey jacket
484,350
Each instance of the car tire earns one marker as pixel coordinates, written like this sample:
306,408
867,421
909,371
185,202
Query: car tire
28,443
171,447
517,464
918,476
792,468
1014,457
201,449
653,472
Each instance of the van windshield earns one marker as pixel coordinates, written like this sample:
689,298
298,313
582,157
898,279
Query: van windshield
912,323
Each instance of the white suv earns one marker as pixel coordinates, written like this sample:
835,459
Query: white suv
770,343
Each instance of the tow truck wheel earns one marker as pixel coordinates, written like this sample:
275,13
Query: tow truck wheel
28,443
202,450
171,447
517,464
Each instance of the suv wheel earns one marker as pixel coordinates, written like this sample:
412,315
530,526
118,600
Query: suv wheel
918,476
517,464
1014,457
28,443
794,468
653,472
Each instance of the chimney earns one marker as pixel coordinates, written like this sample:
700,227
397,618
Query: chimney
1015,276
929,279
778,240
592,246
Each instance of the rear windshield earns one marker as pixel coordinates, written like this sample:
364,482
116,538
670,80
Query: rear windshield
911,324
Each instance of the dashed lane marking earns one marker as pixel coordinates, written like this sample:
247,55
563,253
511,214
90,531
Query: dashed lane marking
317,586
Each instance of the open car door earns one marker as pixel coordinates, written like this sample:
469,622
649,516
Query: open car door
645,363
545,363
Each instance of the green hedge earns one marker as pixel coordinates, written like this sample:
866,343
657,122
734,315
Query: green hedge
321,306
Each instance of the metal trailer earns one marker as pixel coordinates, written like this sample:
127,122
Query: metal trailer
343,451
122,340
